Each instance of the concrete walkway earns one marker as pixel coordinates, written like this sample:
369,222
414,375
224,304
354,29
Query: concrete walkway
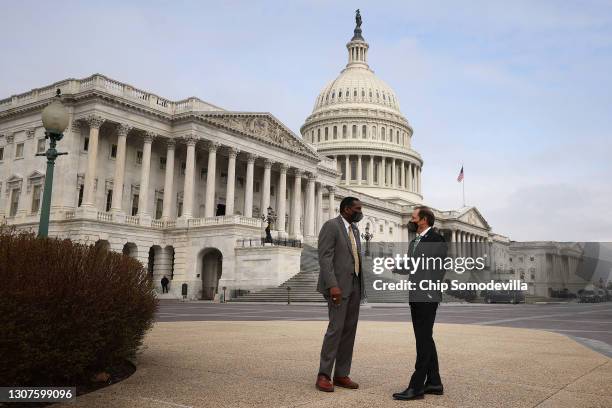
274,364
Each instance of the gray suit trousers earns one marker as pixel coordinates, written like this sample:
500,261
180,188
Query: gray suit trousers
340,336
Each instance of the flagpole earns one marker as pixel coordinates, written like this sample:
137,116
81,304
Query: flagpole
463,185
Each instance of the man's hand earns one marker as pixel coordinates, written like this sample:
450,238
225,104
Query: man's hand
336,294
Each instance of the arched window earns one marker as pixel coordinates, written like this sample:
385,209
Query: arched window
364,131
319,135
363,93
374,136
326,133
354,132
397,137
382,133
333,95
335,132
340,94
355,93
344,131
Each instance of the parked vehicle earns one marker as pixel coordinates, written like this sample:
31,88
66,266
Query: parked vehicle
503,296
587,296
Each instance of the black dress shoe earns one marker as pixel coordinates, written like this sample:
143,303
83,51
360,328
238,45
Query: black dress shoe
409,394
434,389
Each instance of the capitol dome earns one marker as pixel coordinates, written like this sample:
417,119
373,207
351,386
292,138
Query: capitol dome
357,121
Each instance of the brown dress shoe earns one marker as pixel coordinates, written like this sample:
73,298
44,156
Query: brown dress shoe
345,382
323,383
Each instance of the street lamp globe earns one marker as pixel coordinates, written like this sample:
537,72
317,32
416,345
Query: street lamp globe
55,116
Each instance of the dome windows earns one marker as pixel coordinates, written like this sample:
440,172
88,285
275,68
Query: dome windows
344,131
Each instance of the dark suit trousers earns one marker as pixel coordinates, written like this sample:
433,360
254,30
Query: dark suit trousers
340,336
426,366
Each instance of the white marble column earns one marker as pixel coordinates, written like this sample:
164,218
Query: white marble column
332,201
211,177
169,180
319,208
189,178
145,170
371,172
402,183
359,170
393,174
297,202
265,194
347,169
410,186
282,198
248,188
231,181
383,166
419,180
117,203
94,123
309,219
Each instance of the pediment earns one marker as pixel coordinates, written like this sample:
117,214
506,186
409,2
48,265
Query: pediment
14,178
35,175
473,217
263,127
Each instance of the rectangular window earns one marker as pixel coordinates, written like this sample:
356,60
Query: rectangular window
159,207
19,151
40,146
364,132
272,191
113,152
36,198
335,132
14,201
179,209
85,144
203,173
162,163
1,153
318,135
183,167
257,186
109,200
353,164
326,133
354,132
139,157
80,201
135,204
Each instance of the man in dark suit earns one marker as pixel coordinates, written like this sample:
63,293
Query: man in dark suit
341,283
431,247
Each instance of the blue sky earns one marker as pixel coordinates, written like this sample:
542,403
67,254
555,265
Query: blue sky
519,92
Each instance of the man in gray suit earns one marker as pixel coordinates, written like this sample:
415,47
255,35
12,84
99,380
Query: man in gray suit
341,282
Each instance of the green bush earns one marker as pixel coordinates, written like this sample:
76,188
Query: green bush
67,310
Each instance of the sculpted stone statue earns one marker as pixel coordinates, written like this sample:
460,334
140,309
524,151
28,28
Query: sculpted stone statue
358,18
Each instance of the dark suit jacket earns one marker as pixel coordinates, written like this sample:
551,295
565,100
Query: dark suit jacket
432,247
336,262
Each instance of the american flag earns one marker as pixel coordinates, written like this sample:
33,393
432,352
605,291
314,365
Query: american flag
460,176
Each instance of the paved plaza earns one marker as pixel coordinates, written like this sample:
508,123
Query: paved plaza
249,355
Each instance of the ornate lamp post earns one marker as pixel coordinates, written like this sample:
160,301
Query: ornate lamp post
269,218
55,120
367,236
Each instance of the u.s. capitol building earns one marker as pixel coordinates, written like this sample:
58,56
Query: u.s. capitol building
182,185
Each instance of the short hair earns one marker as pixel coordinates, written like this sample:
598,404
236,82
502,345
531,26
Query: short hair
425,212
347,202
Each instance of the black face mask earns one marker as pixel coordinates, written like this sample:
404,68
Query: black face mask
356,216
412,226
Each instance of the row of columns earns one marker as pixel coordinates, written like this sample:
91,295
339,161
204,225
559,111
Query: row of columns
468,244
314,196
408,177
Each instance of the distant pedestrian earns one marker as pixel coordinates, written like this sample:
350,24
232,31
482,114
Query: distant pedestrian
164,283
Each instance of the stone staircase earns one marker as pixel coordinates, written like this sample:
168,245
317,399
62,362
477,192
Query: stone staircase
303,284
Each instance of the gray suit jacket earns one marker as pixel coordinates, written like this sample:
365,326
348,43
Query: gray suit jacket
336,261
